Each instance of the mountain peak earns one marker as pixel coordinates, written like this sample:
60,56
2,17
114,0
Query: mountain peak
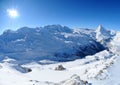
102,34
100,28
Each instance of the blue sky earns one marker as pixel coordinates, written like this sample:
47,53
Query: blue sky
72,13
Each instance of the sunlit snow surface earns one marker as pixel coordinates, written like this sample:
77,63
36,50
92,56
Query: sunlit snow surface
94,69
101,68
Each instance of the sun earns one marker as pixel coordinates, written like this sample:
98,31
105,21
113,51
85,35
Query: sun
12,13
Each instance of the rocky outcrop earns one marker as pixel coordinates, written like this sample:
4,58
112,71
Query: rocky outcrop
75,80
59,68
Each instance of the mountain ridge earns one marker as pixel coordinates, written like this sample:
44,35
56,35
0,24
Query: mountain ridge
52,42
99,67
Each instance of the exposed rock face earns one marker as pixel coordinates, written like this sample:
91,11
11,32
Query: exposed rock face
75,80
22,69
59,68
27,69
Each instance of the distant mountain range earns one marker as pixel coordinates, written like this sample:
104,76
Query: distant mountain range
30,56
53,42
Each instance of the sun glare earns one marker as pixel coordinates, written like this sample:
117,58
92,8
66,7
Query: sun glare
12,13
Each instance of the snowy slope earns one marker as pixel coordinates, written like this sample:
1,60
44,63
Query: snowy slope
94,69
101,68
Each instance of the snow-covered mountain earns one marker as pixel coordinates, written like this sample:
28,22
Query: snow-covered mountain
53,42
104,36
30,56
